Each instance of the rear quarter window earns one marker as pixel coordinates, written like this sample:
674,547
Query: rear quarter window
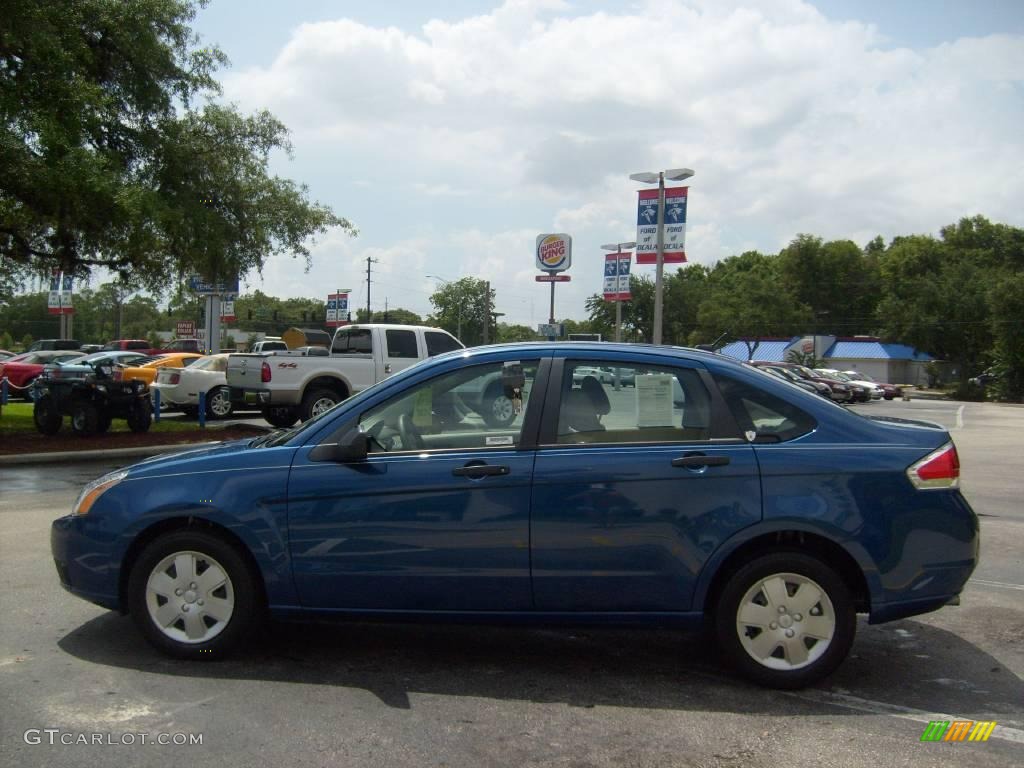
439,343
402,344
768,416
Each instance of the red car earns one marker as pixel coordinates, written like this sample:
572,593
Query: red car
22,370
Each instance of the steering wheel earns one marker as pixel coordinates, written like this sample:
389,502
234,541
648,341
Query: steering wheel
411,437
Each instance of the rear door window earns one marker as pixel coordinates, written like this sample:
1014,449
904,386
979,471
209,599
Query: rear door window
357,341
402,344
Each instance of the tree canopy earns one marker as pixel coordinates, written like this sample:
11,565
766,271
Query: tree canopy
109,162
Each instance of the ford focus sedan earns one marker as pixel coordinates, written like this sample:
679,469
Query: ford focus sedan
708,494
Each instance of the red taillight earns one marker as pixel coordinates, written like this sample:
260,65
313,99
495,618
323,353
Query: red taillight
265,373
939,469
172,378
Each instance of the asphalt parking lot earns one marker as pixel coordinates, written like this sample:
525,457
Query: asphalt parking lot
425,695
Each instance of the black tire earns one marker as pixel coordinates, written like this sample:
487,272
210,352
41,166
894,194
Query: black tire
316,399
85,418
140,417
496,408
835,606
241,587
47,418
218,403
104,423
280,416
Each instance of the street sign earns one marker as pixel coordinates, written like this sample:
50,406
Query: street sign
59,301
197,284
337,309
185,329
550,329
554,252
675,226
616,276
552,278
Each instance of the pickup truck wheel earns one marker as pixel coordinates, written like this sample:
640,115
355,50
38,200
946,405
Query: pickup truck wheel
317,401
497,409
280,416
46,416
85,419
218,403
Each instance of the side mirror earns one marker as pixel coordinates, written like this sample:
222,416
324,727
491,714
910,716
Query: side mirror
352,448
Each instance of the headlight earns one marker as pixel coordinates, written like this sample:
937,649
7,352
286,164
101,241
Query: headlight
95,489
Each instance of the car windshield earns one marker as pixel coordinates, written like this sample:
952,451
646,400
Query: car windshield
206,363
858,376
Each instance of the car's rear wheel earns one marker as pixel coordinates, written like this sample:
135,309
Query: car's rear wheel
218,403
316,402
47,418
280,416
85,418
785,620
193,595
497,408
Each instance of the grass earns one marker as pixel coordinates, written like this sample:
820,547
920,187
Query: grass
16,419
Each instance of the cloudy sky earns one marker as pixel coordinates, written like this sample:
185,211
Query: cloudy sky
452,133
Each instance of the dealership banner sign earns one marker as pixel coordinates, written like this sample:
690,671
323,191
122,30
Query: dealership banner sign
59,301
675,226
616,276
337,309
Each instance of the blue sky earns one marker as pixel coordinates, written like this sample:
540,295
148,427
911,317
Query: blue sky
452,133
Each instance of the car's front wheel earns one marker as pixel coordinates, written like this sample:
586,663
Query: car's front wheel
193,595
785,620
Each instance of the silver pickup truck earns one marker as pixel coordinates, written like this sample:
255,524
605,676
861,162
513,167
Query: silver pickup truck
289,387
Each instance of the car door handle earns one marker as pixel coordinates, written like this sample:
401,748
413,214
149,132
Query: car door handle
480,470
700,460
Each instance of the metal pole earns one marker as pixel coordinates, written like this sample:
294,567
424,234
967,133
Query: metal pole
618,320
660,269
551,319
368,318
215,323
487,312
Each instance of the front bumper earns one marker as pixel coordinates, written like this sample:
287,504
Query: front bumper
84,563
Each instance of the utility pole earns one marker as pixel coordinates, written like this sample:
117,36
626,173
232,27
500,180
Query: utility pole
369,261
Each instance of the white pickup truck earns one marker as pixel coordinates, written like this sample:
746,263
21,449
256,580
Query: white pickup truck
289,387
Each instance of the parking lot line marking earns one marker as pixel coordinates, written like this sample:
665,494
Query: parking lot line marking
960,417
1000,584
1004,732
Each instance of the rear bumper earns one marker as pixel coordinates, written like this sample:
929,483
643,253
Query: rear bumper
262,397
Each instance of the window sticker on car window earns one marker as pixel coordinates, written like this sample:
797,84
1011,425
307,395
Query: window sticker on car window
423,408
500,440
654,400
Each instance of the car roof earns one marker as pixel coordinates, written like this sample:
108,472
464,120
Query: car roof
598,347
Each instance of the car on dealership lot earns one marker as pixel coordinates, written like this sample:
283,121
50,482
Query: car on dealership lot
80,367
840,391
811,386
751,507
626,376
21,370
874,391
889,391
49,345
863,392
180,388
6,355
146,368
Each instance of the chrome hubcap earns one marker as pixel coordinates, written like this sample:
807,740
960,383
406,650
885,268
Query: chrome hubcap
189,597
785,621
322,405
220,404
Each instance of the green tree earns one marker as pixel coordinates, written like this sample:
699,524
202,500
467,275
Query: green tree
1007,304
507,333
461,308
107,163
26,341
6,341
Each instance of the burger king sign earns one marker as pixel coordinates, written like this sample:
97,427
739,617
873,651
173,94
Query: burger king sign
554,252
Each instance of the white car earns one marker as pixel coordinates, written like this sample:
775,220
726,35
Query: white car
181,387
876,391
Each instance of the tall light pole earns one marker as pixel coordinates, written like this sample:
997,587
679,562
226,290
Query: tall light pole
617,248
672,174
458,305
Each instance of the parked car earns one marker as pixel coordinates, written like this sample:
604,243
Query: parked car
289,387
862,391
5,355
811,386
133,345
194,346
985,378
88,349
80,367
21,370
840,391
146,369
91,397
269,345
874,391
754,509
51,344
889,391
626,376
180,387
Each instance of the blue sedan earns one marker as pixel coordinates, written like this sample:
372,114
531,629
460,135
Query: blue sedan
709,493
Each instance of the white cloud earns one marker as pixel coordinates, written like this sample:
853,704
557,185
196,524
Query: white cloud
532,116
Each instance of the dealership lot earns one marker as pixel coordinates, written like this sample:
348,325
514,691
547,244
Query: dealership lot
366,694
